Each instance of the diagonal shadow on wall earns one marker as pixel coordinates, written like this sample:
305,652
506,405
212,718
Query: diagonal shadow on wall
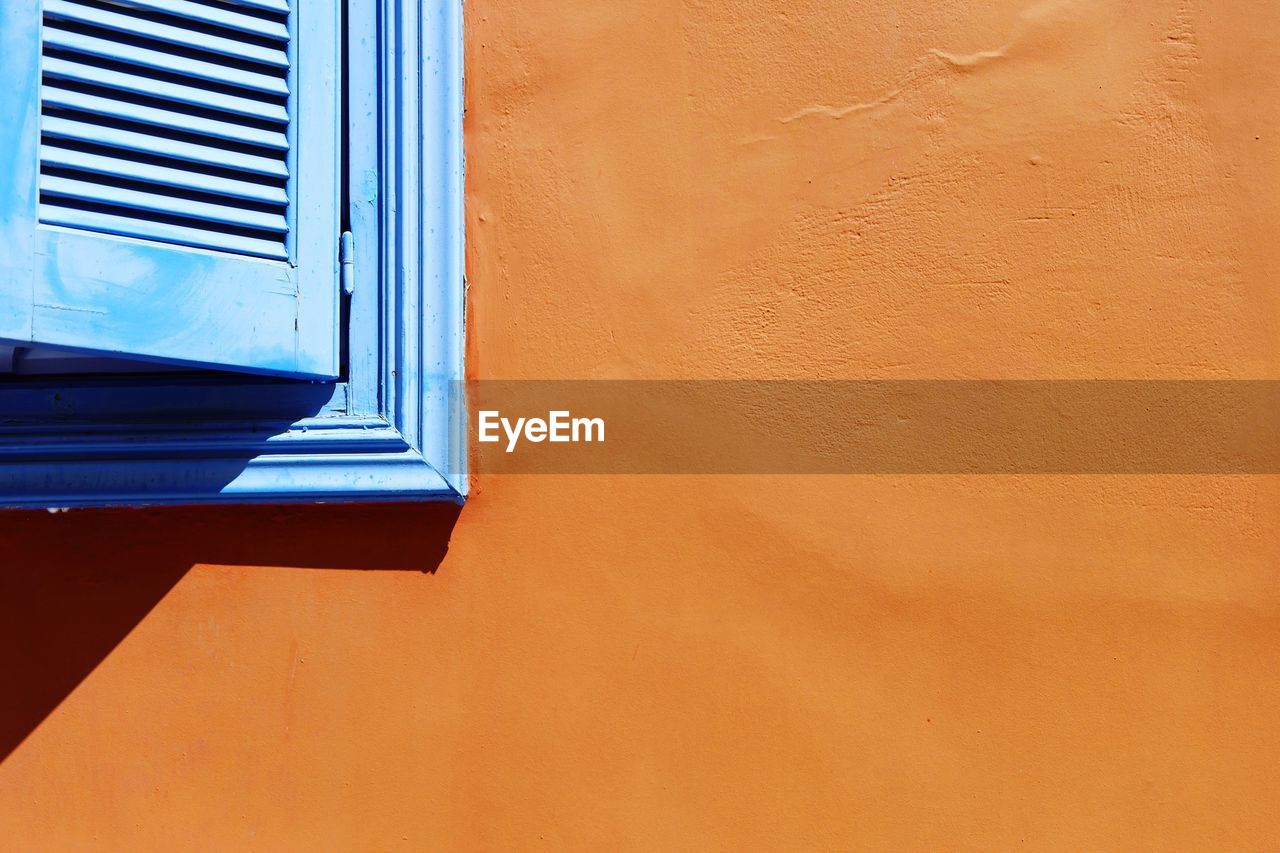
66,602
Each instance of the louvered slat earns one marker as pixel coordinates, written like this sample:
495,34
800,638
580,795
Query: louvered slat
168,121
127,54
63,10
182,179
212,16
149,143
119,197
264,5
149,87
110,223
130,111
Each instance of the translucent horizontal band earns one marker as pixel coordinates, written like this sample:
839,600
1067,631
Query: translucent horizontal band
875,427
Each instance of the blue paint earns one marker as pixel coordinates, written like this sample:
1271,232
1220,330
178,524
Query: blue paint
182,36
391,428
19,137
124,261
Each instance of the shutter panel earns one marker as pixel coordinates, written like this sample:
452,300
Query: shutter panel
175,189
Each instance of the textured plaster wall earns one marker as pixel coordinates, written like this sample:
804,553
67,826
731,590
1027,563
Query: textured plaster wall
763,188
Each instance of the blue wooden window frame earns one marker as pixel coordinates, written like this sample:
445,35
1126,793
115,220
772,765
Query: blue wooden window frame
393,427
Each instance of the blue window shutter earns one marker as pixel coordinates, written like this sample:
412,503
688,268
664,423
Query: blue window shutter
173,188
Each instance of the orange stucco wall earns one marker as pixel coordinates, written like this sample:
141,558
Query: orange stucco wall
765,188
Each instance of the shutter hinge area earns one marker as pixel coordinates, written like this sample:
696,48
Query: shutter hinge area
347,262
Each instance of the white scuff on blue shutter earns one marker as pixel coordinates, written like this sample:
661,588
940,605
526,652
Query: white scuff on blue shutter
183,205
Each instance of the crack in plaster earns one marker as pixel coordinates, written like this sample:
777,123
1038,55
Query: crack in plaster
1036,14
